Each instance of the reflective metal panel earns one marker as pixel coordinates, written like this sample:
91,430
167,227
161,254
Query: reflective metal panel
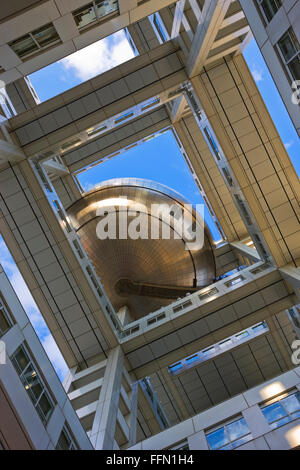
143,273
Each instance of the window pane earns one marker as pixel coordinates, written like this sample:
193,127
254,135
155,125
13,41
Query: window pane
296,415
4,323
217,439
20,359
287,47
259,327
24,45
84,16
241,441
242,335
32,383
105,7
291,403
270,8
227,447
45,35
63,441
294,66
281,422
44,406
237,429
273,412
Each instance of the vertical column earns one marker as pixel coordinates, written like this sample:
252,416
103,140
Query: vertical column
133,414
104,425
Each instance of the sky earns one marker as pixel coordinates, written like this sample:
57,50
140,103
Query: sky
81,66
31,309
158,159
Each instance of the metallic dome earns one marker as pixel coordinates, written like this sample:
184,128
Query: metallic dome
142,274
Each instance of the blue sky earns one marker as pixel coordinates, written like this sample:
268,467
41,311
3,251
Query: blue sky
159,159
31,309
274,102
81,66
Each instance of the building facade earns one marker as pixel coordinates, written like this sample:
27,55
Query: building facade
276,28
215,366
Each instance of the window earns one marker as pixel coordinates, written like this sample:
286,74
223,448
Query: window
243,209
212,143
209,351
282,410
259,327
295,317
180,307
242,335
181,446
62,216
269,8
94,282
208,293
289,50
5,318
65,442
234,281
151,103
175,367
33,42
192,359
229,436
32,383
123,117
156,319
97,130
225,344
94,11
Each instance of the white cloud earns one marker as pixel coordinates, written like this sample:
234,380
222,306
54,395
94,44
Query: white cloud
289,144
55,356
99,57
257,74
32,310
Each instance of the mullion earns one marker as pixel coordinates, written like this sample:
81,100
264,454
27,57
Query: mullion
294,57
227,435
34,40
38,399
95,10
24,370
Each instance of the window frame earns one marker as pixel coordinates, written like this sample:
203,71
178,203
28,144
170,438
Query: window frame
182,445
45,390
261,9
297,53
73,445
95,10
279,399
40,48
230,442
